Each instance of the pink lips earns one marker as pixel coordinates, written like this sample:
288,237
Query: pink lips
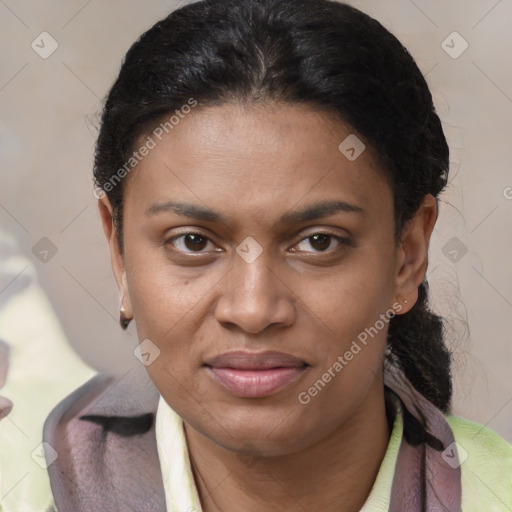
253,375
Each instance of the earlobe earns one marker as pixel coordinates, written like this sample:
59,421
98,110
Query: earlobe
117,258
412,253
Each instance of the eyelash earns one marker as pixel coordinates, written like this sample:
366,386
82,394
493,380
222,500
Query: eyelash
342,242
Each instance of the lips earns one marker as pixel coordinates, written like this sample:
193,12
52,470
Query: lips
255,361
252,375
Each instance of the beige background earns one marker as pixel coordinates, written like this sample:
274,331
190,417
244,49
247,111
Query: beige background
48,118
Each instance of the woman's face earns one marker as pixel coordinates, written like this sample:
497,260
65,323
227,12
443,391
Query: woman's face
249,230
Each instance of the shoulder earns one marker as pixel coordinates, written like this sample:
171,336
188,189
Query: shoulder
486,466
479,440
101,448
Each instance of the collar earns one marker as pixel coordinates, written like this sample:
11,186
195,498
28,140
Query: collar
180,489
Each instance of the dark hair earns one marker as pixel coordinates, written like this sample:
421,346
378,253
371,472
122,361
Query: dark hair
316,52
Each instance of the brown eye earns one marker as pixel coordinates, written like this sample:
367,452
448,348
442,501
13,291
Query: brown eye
190,242
321,242
195,242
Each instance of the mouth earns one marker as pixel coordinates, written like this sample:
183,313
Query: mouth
254,375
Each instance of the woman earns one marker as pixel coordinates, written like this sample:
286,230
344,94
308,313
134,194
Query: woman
268,175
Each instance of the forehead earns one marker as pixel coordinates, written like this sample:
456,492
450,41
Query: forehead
263,159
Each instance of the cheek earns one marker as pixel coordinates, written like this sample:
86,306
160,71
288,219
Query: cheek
353,310
166,309
170,306
352,352
352,297
162,295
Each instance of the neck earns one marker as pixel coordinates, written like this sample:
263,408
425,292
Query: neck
334,474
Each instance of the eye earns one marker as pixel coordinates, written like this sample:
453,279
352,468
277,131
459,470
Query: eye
322,242
193,242
190,243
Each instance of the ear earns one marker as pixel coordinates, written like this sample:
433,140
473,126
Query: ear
118,265
412,253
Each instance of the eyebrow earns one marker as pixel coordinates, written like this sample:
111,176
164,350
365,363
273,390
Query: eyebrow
311,212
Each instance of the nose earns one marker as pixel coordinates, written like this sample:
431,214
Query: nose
255,297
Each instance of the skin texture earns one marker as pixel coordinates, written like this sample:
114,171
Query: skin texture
303,297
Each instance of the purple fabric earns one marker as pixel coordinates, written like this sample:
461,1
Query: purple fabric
118,470
109,472
443,490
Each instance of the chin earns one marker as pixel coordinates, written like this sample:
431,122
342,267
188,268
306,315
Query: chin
272,431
